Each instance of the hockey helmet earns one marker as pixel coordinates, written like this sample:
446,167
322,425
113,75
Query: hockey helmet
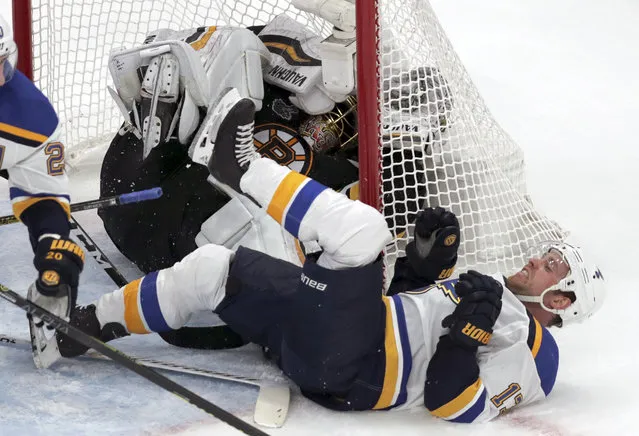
333,131
8,52
584,279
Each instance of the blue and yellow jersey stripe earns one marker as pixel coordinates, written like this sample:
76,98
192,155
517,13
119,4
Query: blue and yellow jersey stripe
545,352
466,407
398,356
292,200
142,312
21,136
21,200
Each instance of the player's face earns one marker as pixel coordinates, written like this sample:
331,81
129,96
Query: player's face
539,274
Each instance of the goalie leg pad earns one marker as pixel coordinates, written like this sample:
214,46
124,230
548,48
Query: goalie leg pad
165,300
160,92
242,222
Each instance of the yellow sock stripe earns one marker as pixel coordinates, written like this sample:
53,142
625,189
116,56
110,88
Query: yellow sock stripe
20,206
132,313
537,342
392,361
284,194
23,133
459,402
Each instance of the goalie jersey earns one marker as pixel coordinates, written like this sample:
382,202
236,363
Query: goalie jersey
32,156
517,366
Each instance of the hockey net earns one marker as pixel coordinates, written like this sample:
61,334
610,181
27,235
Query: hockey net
425,135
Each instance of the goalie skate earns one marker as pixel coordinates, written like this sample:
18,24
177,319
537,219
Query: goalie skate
225,140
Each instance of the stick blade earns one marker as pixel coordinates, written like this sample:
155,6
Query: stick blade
271,408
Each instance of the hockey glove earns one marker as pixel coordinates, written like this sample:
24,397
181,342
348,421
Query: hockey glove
59,263
433,251
471,323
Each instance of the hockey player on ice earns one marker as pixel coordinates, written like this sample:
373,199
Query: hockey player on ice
32,159
467,349
300,123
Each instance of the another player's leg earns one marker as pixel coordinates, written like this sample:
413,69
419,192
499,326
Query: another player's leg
349,232
334,331
160,301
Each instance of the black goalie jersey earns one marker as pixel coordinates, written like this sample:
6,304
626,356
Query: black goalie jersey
156,234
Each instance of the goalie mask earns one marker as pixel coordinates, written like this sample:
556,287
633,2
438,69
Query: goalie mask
584,279
333,131
8,52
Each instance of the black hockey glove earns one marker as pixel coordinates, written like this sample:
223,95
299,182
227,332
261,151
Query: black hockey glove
433,251
471,323
59,263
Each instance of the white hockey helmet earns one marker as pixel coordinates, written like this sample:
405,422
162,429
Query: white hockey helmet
584,279
8,52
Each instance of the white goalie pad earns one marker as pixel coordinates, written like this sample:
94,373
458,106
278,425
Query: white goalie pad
296,65
174,71
235,61
314,102
338,50
123,66
340,13
242,222
159,95
338,64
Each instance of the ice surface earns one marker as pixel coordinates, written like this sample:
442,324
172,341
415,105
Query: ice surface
561,77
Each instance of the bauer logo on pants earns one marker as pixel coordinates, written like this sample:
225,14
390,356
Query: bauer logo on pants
313,283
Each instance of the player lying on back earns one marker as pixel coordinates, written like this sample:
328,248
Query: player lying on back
32,159
466,349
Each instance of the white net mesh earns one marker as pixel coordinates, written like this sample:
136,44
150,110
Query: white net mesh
439,143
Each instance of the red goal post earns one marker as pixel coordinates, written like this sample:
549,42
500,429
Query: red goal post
22,21
426,136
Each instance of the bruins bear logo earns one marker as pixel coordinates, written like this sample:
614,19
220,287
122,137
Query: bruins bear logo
285,146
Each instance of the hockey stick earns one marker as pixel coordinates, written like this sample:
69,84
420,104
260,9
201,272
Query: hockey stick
154,377
91,247
116,200
273,399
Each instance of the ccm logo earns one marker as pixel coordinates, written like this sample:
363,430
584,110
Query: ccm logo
313,284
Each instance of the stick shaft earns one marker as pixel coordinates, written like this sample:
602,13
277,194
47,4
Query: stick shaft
116,200
154,377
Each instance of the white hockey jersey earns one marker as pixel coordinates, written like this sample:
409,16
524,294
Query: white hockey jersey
518,366
30,147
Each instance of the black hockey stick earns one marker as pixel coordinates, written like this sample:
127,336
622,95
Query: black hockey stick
271,407
116,200
154,377
91,247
